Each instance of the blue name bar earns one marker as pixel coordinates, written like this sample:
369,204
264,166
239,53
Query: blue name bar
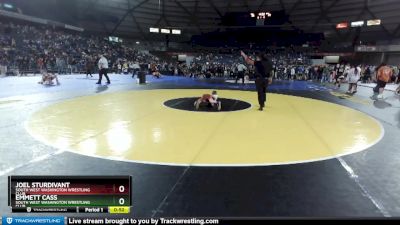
20,220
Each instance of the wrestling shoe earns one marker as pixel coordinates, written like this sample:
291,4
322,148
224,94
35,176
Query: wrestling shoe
219,106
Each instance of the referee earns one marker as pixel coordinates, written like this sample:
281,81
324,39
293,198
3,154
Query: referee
263,68
103,69
241,68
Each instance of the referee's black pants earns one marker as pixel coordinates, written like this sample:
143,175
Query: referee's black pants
101,73
240,74
261,85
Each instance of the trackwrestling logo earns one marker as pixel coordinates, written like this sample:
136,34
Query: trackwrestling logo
33,220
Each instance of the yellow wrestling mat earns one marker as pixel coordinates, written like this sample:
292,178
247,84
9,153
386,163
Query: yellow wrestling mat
135,126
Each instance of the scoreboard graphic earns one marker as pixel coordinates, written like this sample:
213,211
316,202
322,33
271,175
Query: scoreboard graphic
73,194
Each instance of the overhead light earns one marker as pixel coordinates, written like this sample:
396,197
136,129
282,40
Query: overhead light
175,31
74,28
138,42
154,30
113,39
342,25
9,6
373,22
263,15
165,31
260,14
357,24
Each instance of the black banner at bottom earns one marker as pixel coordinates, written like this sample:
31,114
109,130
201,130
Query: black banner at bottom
61,210
45,220
212,221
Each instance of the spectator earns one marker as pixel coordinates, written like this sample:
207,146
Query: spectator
353,76
89,67
383,76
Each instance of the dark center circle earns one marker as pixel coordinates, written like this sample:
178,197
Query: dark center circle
187,104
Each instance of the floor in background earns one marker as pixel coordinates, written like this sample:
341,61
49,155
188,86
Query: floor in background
389,87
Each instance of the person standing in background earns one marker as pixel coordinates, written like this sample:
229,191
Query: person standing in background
136,68
367,75
325,74
397,80
383,76
339,75
353,76
241,69
292,73
103,69
89,66
119,67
